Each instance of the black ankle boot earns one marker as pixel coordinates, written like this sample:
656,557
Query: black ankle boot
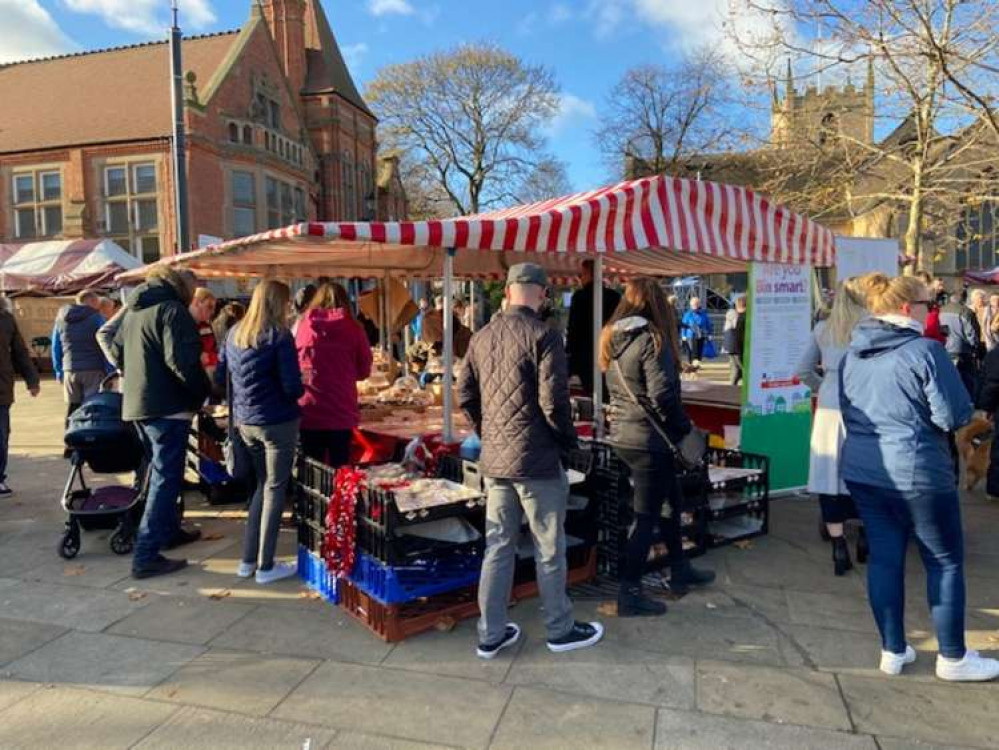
631,602
862,549
841,556
684,576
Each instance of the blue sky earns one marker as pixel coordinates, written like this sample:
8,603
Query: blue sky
587,43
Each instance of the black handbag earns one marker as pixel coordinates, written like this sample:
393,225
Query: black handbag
690,452
238,463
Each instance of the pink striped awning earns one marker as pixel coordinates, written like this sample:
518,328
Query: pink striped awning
62,267
661,226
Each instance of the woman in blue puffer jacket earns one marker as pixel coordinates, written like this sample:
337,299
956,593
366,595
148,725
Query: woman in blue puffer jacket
259,358
900,397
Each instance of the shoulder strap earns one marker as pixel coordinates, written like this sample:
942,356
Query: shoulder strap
652,421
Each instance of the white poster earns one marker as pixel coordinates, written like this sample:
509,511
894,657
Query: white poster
856,256
781,310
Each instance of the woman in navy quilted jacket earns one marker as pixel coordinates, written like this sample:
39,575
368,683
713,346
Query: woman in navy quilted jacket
260,358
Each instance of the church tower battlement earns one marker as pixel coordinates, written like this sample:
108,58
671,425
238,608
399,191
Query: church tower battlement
813,116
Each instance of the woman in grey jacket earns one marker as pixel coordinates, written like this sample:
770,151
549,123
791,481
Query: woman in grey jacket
640,353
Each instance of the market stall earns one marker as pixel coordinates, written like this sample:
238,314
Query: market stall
658,226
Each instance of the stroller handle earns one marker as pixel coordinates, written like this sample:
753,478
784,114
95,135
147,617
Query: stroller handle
104,387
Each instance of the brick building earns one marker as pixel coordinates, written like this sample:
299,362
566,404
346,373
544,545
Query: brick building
277,132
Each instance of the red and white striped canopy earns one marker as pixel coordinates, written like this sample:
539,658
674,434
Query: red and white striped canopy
62,267
660,226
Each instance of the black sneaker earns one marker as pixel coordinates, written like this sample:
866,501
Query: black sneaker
510,637
184,536
684,577
582,635
160,566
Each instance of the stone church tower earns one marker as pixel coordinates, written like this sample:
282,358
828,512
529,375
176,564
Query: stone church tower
814,116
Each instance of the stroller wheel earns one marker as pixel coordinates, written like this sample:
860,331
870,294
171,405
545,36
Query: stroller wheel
69,545
121,541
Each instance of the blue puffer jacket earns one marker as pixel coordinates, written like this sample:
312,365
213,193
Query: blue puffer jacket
900,396
266,380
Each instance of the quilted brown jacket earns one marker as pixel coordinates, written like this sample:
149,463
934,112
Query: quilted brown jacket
514,387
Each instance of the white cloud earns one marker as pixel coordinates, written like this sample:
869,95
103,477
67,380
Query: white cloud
559,13
391,7
146,16
29,31
353,54
528,24
572,111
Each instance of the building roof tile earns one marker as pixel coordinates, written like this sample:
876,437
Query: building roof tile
105,96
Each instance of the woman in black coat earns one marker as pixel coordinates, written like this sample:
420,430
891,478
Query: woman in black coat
640,353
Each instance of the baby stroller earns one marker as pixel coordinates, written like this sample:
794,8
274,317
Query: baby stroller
101,441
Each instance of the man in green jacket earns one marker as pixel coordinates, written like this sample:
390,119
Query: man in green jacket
14,360
158,350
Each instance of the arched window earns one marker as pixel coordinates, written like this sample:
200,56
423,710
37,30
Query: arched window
247,135
233,132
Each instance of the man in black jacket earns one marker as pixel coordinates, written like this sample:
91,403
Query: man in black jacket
514,389
158,349
579,332
14,360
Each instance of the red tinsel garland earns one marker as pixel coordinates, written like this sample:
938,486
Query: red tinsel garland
339,547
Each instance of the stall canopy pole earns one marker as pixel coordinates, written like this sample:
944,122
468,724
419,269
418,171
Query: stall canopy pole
448,342
598,321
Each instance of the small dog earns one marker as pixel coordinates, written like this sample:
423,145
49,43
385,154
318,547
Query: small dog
974,444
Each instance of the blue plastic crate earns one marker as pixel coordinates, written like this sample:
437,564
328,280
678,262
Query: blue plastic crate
312,570
400,584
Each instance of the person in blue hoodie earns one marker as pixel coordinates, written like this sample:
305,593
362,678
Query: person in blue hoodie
77,358
900,396
696,330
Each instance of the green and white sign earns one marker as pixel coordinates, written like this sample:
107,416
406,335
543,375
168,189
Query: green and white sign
776,405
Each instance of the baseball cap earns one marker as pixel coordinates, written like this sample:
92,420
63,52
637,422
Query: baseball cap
527,273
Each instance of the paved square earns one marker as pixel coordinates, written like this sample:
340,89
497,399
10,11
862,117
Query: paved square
777,655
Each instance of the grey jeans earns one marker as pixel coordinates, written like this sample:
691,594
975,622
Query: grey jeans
272,450
542,502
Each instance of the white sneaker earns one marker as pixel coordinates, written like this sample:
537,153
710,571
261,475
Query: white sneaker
279,571
972,668
892,663
5,491
245,570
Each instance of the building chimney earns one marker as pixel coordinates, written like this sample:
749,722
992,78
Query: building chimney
286,21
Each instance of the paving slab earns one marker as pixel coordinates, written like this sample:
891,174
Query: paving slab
781,696
775,563
547,720
198,728
325,633
932,712
831,611
239,682
769,603
609,671
77,607
355,741
451,654
105,662
894,743
696,635
182,619
407,705
684,730
18,638
11,691
62,717
95,571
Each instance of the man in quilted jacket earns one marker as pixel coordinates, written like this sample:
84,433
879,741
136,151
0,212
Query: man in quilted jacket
514,388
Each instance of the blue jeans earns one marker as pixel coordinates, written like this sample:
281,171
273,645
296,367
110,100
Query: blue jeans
165,441
890,518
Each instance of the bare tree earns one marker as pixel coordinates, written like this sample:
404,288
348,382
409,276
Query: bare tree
657,116
922,173
471,122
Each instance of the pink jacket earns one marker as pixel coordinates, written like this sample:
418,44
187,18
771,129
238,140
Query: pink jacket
334,354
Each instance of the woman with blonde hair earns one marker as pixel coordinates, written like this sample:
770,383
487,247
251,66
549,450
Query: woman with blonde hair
334,354
819,369
260,362
901,396
640,353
